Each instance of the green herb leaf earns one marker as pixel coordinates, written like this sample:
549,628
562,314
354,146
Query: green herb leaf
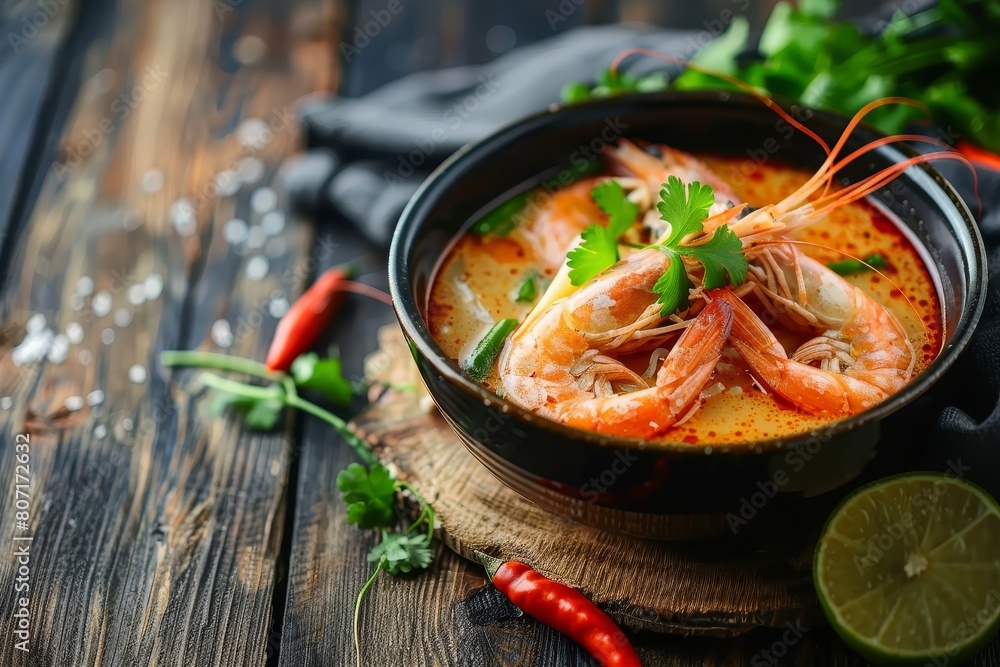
684,207
263,415
823,9
720,255
652,83
259,414
369,495
400,553
673,285
596,251
849,266
598,248
528,290
609,84
720,55
323,375
779,30
610,198
575,92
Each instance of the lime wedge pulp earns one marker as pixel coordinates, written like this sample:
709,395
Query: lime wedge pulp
908,569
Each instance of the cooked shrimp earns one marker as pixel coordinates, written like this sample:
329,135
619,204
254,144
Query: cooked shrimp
554,368
559,220
555,365
862,351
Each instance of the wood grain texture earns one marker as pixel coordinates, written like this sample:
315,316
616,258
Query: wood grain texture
31,36
156,531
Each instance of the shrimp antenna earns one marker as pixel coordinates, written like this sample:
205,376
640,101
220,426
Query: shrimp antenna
823,174
869,185
365,290
827,202
889,280
742,85
912,138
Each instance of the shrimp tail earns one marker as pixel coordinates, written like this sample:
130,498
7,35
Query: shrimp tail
679,382
809,388
690,364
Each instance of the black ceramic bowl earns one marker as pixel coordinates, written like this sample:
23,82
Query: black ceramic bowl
669,490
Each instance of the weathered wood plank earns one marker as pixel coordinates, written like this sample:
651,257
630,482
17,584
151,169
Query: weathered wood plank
156,531
31,35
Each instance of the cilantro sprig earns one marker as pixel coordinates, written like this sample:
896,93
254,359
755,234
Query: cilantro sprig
610,83
943,55
370,491
598,248
370,494
685,208
399,553
263,406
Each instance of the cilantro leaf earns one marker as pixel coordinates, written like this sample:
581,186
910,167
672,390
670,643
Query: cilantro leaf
610,83
597,251
720,255
323,375
598,248
673,285
720,55
684,207
369,495
823,9
259,414
402,552
263,415
576,91
610,198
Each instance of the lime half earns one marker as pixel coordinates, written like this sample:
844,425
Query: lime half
908,569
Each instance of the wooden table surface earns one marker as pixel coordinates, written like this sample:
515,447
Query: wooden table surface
134,134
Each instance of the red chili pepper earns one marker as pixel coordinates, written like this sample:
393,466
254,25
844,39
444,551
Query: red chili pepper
982,156
307,318
562,608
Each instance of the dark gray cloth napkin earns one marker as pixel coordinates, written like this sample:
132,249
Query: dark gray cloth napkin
369,154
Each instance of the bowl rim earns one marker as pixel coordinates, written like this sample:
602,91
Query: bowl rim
407,312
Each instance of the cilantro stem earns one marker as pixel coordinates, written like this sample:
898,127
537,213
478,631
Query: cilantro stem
219,362
426,511
336,422
292,400
357,610
289,384
238,388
